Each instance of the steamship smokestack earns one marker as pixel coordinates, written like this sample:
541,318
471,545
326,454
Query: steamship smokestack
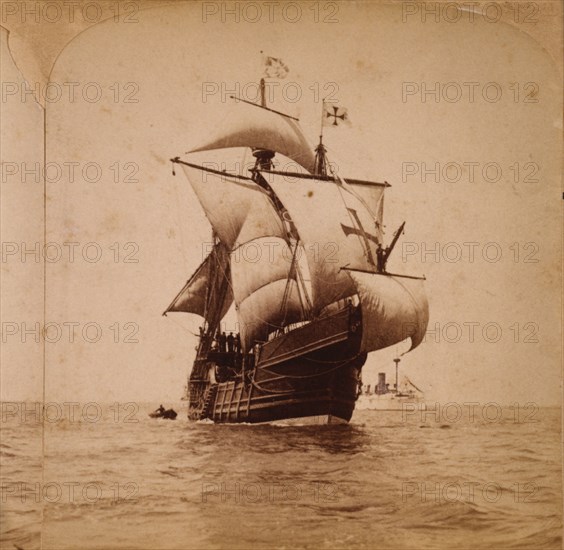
381,383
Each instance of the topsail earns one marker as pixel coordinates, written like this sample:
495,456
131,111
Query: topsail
252,126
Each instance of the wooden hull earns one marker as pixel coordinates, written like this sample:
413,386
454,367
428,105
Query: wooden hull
310,374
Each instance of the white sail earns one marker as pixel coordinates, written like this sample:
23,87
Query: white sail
260,271
393,309
247,222
261,313
373,196
213,274
252,126
336,229
257,263
232,202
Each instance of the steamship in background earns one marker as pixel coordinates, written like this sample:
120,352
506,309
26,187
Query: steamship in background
316,301
401,396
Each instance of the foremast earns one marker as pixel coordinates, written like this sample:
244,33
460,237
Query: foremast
264,163
214,305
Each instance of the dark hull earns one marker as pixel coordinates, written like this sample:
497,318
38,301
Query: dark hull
309,373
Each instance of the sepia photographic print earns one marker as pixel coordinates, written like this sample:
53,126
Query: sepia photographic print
281,274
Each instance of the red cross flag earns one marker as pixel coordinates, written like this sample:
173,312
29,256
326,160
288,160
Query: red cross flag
335,116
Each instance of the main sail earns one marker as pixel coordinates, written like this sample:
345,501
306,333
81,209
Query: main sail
336,228
262,276
340,224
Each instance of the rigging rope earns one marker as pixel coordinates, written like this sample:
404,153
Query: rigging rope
347,187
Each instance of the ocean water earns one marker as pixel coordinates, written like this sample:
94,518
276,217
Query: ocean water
390,479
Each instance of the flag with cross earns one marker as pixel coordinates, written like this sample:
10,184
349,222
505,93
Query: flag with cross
335,116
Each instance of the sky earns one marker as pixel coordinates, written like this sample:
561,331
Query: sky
163,83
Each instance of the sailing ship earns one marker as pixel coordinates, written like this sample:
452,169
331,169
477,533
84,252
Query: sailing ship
316,299
402,396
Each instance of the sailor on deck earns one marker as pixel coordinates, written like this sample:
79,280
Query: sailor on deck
222,342
230,343
381,258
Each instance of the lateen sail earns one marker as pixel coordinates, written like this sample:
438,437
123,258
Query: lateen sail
336,229
393,309
252,126
192,297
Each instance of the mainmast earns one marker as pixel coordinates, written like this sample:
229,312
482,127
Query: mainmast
264,156
264,162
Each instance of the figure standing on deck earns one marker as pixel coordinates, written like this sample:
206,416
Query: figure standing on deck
382,253
381,258
222,342
230,343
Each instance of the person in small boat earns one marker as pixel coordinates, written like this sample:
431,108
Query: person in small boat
161,409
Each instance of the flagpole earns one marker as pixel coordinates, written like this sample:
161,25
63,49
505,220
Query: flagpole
320,162
322,113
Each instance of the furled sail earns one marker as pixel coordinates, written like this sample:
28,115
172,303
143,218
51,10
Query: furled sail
336,228
393,309
212,275
234,202
253,126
